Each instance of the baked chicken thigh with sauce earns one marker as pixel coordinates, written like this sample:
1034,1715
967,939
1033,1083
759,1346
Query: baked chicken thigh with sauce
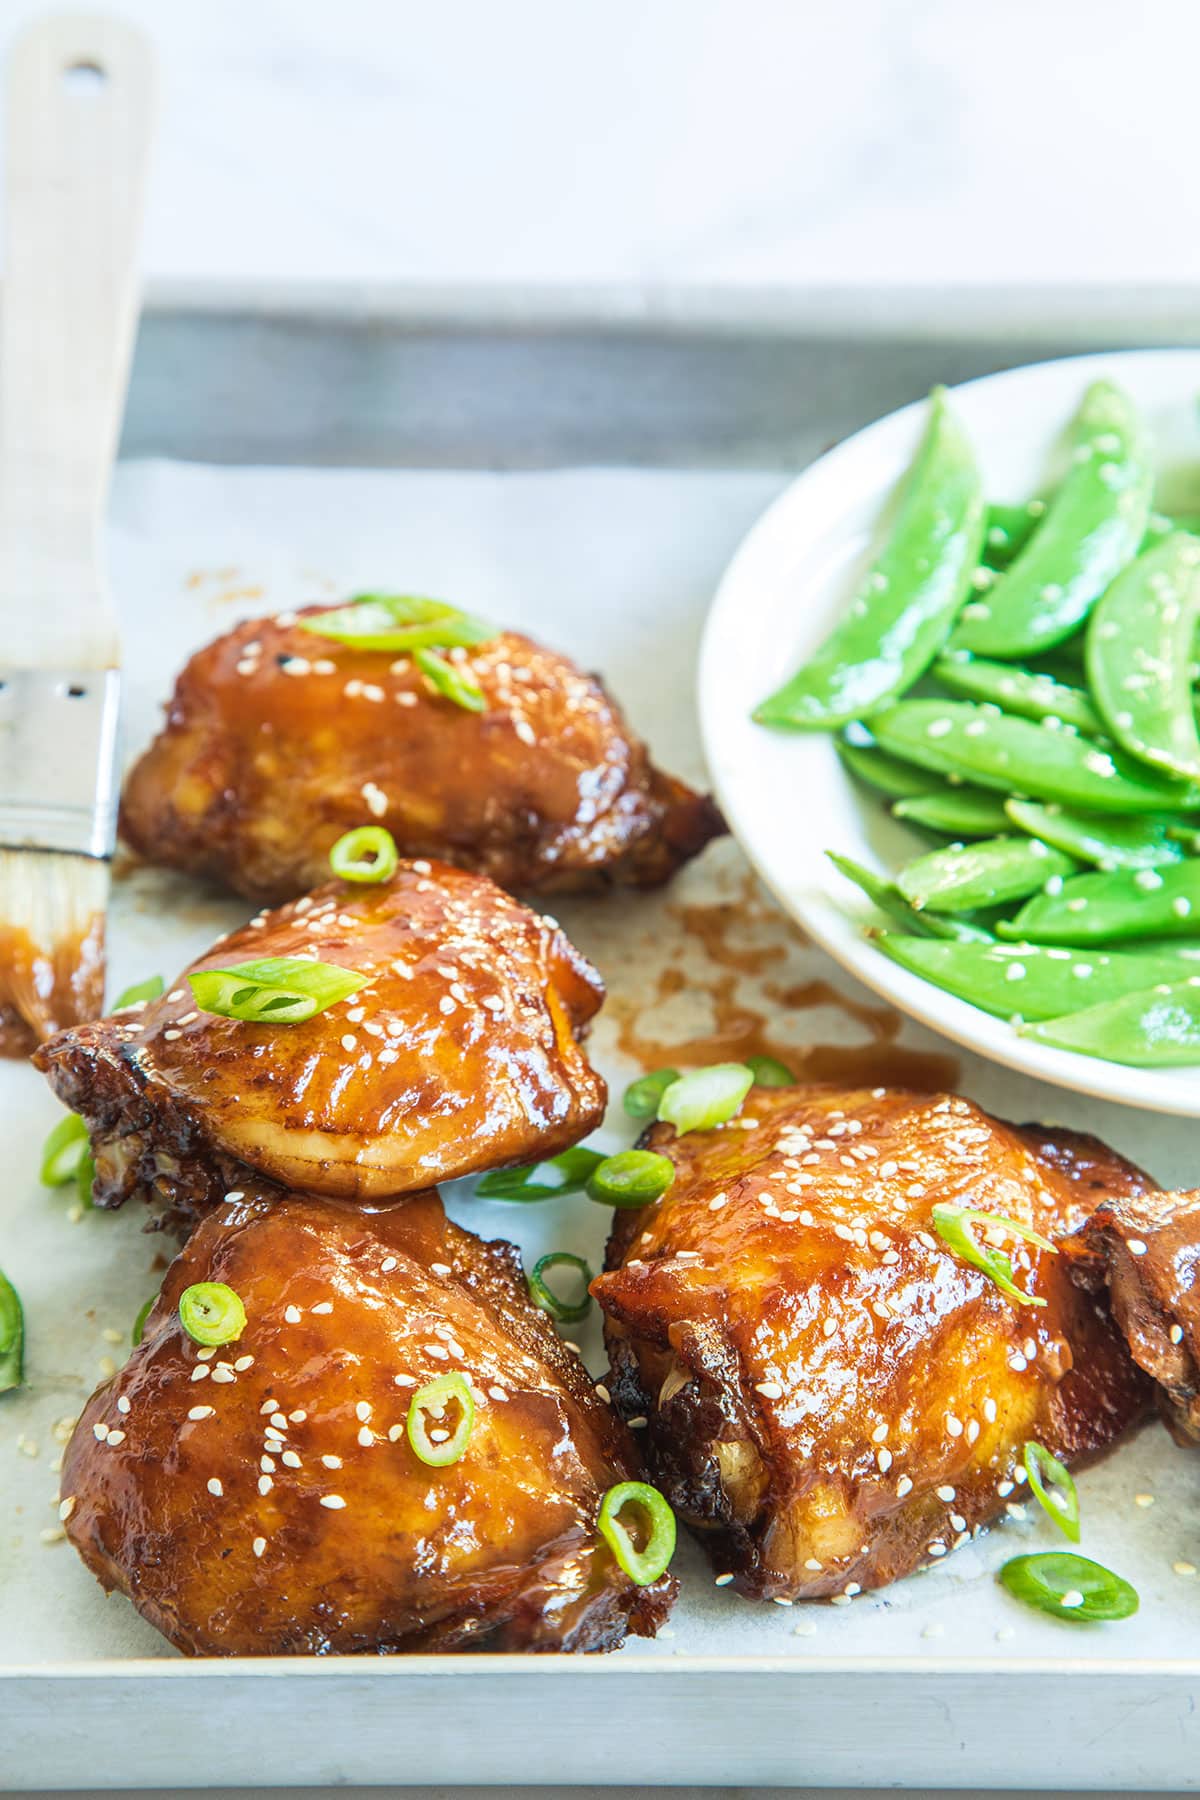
265,1497
277,741
462,1052
834,1395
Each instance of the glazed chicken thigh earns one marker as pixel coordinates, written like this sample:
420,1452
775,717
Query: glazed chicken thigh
834,1395
460,1053
277,741
265,1497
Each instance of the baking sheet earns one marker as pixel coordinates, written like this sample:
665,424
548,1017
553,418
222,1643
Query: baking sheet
616,567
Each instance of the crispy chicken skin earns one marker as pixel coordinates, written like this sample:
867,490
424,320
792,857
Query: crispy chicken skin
276,1506
461,1054
278,741
1146,1248
834,1396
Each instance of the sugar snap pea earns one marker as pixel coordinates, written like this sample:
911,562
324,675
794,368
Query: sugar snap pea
996,750
1158,1028
887,774
1008,529
1144,841
965,877
1093,525
887,897
957,811
1027,692
1108,909
1140,641
904,609
1034,981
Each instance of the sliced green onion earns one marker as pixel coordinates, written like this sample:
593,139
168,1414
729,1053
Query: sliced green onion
631,1178
432,1410
139,1324
1069,1587
953,1226
565,1174
568,1309
642,1096
281,990
1046,1472
12,1337
398,622
706,1098
62,1151
452,682
368,854
211,1313
769,1072
149,989
85,1179
657,1530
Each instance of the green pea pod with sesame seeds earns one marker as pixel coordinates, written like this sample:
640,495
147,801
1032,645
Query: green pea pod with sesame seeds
1034,981
1157,1028
965,812
1026,692
1145,841
1114,908
887,774
966,877
1092,527
1007,530
887,897
996,750
902,613
1140,642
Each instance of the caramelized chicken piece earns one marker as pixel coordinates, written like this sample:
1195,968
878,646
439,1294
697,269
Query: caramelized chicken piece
1146,1247
834,1395
278,741
462,1053
276,1505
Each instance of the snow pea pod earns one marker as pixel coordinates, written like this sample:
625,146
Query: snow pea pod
964,877
1106,909
887,774
1015,690
1093,525
1008,529
902,612
957,812
996,750
1140,640
1034,981
1158,1028
887,897
1141,842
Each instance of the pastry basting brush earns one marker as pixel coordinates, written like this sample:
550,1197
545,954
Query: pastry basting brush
79,104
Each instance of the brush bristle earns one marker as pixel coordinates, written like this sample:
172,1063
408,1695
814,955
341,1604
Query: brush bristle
51,944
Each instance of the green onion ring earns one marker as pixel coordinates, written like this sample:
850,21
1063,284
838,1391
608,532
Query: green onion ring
769,1072
565,1174
277,990
1045,1471
211,1313
435,1399
367,854
398,623
953,1226
62,1151
642,1096
706,1098
450,680
150,989
647,1564
566,1312
85,1179
631,1178
139,1324
12,1336
1069,1587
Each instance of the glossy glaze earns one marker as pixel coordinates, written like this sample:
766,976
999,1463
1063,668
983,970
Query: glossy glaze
278,741
41,990
213,1502
834,1396
461,1054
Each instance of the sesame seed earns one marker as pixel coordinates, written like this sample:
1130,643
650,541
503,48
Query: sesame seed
331,1461
323,1306
124,1404
903,1487
770,1390
290,1460
1176,1334
243,1363
267,1464
603,1393
1184,1568
1071,1598
953,1425
223,1373
387,1265
292,1314
214,1486
259,1545
201,1412
362,1411
1136,1246
334,1502
722,1580
279,1422
366,1437
100,1431
945,1493
265,1484
884,1459
1143,1499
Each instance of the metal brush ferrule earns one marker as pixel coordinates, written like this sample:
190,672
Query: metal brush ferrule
58,759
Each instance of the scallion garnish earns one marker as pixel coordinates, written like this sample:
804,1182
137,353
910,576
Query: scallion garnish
1045,1472
62,1151
139,1324
953,1226
85,1179
12,1336
277,990
769,1072
564,1174
399,623
567,1309
644,1562
211,1313
643,1095
706,1098
1069,1587
441,1416
631,1178
149,989
367,854
447,679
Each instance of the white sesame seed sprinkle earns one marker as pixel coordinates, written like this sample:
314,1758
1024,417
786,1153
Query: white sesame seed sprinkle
214,1486
334,1502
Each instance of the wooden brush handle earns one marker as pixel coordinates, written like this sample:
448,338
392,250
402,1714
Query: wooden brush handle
80,102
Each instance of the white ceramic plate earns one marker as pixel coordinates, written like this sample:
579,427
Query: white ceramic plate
786,795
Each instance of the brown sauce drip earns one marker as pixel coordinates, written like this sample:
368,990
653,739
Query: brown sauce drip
41,991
